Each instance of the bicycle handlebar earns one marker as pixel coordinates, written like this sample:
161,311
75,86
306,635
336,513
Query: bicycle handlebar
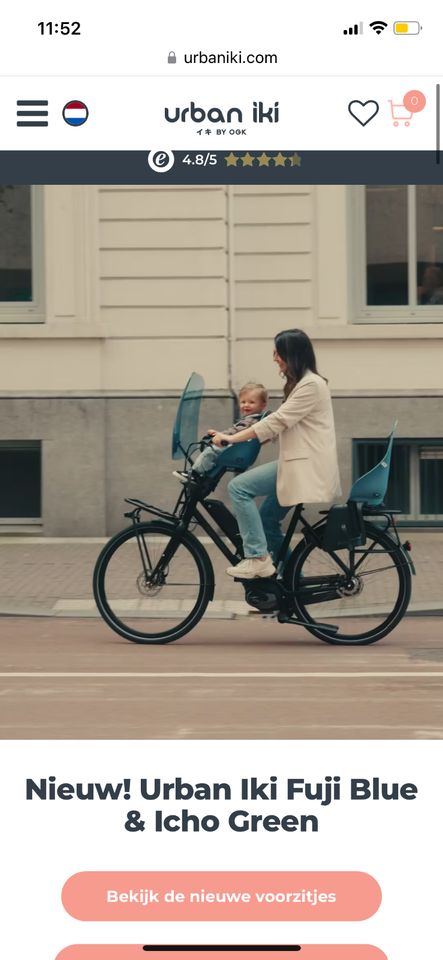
206,441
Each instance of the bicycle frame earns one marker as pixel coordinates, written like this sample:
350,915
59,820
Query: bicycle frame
186,512
342,534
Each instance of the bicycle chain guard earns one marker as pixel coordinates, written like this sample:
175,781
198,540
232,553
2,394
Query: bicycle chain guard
264,594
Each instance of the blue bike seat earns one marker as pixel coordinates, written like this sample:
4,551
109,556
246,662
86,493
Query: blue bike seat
371,487
238,456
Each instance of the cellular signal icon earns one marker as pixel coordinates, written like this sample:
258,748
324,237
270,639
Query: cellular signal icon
353,31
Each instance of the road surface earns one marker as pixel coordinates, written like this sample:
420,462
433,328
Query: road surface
229,679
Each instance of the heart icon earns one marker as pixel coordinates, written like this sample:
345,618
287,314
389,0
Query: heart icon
363,112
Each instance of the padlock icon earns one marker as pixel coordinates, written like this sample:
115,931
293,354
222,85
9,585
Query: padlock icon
171,57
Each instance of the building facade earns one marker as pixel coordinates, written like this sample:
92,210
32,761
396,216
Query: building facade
111,296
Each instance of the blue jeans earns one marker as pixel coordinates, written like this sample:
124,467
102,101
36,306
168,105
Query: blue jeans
206,460
260,529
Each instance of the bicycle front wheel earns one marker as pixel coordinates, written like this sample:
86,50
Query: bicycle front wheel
366,606
142,605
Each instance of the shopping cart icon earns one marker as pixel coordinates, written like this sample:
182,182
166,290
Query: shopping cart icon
414,101
400,114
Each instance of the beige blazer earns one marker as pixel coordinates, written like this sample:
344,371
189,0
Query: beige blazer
307,465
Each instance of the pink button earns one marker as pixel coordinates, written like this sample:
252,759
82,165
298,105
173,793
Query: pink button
136,952
219,896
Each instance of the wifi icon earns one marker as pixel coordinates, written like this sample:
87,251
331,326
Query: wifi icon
378,26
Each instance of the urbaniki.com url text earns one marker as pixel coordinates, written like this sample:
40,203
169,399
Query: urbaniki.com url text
230,56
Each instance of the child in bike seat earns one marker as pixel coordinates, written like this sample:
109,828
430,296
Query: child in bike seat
253,401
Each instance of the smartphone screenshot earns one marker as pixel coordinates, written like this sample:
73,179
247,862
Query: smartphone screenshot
221,481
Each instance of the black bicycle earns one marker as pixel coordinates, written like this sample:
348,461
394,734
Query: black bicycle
347,581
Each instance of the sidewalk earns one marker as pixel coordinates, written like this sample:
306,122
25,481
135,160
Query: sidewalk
48,577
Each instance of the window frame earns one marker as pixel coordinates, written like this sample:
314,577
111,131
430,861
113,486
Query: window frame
31,311
414,443
421,313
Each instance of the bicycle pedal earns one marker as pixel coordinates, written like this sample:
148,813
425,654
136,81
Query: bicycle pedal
256,580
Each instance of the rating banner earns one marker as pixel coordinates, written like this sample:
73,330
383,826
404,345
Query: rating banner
262,167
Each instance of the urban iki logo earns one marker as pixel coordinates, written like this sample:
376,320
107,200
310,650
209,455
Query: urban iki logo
259,112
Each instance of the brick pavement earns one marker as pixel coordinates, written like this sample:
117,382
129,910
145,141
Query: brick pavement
44,576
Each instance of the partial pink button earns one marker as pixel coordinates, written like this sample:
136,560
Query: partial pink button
219,896
135,952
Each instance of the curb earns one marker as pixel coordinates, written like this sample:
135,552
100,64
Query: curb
230,612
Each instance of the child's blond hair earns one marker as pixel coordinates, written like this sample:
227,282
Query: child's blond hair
261,389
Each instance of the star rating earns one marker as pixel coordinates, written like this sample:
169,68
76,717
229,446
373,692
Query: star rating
263,160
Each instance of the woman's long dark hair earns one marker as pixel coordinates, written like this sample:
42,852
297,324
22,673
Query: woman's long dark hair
295,348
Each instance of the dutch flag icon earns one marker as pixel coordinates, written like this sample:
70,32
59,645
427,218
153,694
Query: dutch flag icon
75,113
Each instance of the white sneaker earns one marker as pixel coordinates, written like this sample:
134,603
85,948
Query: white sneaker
181,475
254,567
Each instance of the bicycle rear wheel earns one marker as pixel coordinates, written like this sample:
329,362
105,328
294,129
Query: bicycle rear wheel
366,607
143,607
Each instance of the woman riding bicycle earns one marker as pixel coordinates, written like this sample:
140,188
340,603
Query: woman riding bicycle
348,580
307,468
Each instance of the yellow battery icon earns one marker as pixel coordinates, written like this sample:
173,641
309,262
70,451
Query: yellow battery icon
406,28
